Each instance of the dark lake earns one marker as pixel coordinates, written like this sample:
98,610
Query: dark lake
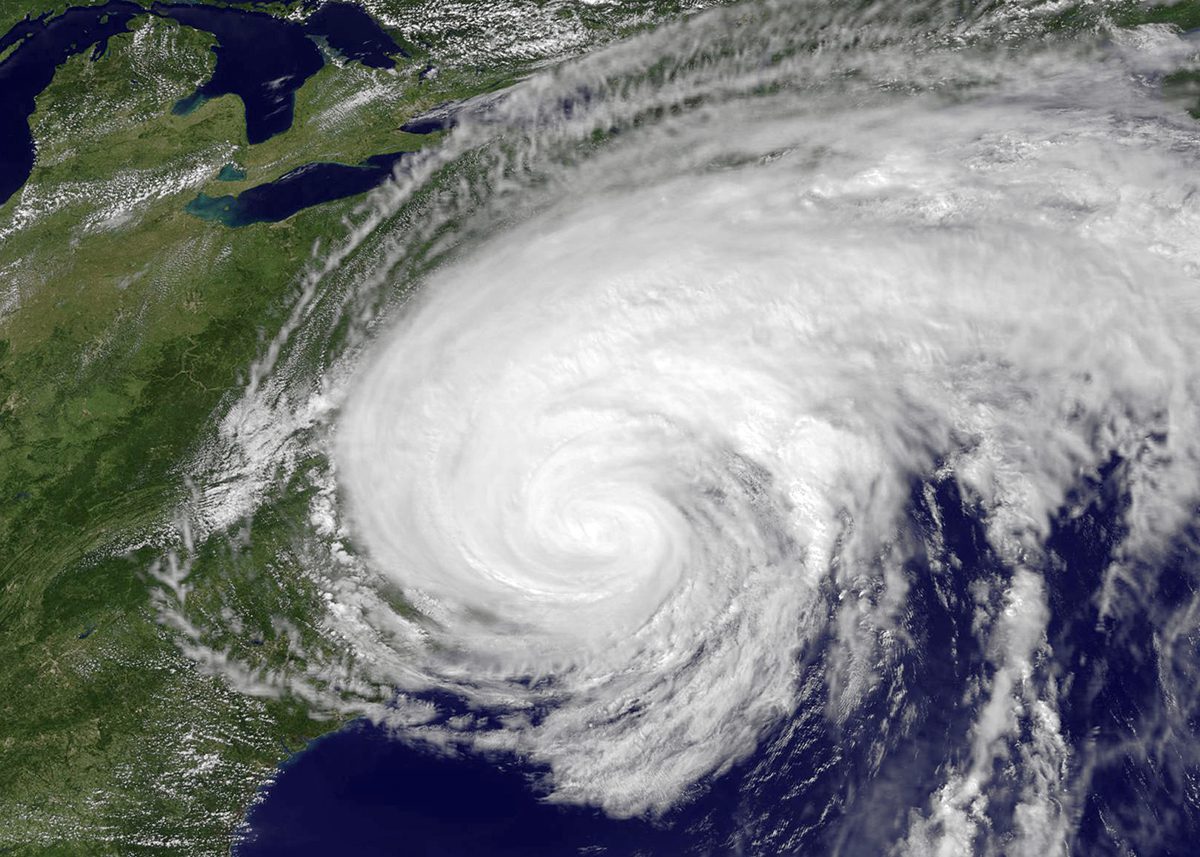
350,31
303,187
260,58
43,44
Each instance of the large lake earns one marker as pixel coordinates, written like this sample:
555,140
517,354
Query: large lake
260,58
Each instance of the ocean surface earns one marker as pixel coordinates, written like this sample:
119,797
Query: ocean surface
806,789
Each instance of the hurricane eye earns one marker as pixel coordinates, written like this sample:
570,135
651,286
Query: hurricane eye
764,418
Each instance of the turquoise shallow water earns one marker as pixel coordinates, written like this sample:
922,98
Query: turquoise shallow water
303,187
782,427
261,58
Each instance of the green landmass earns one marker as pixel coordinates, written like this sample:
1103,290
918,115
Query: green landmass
125,324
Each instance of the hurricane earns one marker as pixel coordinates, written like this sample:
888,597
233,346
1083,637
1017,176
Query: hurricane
796,397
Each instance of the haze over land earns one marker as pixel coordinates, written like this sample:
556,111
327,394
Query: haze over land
775,425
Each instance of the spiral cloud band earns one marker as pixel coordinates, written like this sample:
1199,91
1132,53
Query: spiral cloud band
643,455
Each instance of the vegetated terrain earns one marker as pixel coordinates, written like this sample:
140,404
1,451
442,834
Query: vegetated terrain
125,323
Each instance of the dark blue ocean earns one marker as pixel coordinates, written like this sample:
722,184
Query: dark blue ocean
811,789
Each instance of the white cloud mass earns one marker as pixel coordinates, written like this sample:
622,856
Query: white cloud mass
649,429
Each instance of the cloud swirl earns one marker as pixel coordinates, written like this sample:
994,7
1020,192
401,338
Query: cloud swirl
644,442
